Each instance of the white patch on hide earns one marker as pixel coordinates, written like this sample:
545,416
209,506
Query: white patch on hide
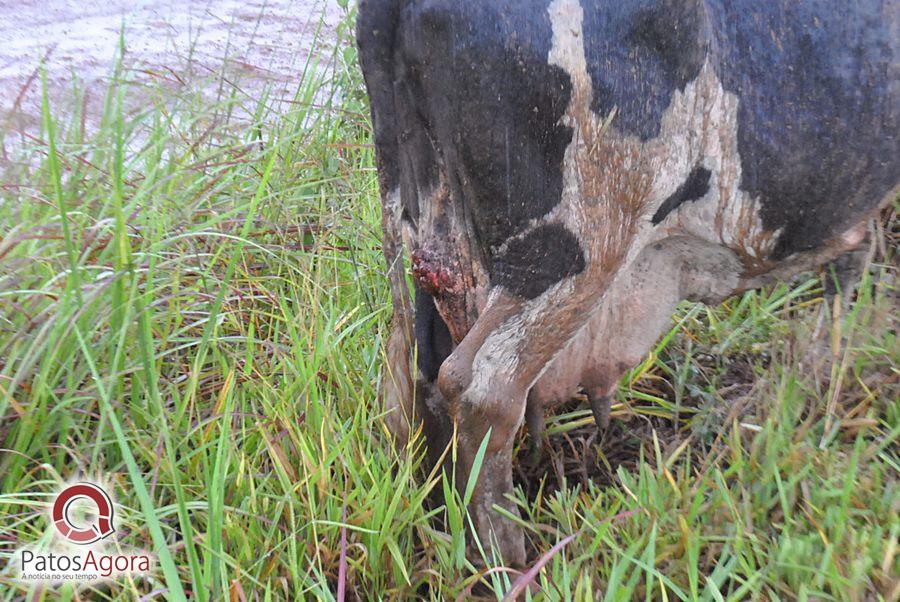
567,49
698,128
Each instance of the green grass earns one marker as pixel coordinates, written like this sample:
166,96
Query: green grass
193,304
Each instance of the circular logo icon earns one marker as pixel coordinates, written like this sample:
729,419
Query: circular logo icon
102,524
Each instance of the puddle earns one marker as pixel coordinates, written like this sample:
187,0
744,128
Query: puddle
175,42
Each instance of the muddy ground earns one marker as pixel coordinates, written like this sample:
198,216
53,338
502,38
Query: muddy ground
176,42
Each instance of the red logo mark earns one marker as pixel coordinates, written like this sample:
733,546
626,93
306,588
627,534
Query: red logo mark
103,524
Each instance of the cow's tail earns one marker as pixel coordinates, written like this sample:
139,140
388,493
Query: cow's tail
376,30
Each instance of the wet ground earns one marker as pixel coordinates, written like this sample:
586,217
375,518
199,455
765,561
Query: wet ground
176,42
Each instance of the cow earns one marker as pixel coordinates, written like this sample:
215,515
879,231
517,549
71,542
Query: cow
561,173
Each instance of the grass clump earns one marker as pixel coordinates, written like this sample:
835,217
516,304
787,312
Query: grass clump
193,303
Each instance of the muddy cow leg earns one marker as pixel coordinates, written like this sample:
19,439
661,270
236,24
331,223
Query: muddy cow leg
376,27
486,380
500,412
488,375
433,345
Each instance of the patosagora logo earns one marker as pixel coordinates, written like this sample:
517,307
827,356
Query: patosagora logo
100,528
83,520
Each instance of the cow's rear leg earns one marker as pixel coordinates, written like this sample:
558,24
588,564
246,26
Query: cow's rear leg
487,378
495,411
488,375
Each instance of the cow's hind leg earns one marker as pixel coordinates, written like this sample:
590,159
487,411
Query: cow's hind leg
489,374
433,345
376,25
486,379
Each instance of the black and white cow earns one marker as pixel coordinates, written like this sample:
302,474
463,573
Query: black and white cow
563,172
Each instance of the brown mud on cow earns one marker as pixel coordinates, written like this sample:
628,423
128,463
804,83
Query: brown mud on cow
563,173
